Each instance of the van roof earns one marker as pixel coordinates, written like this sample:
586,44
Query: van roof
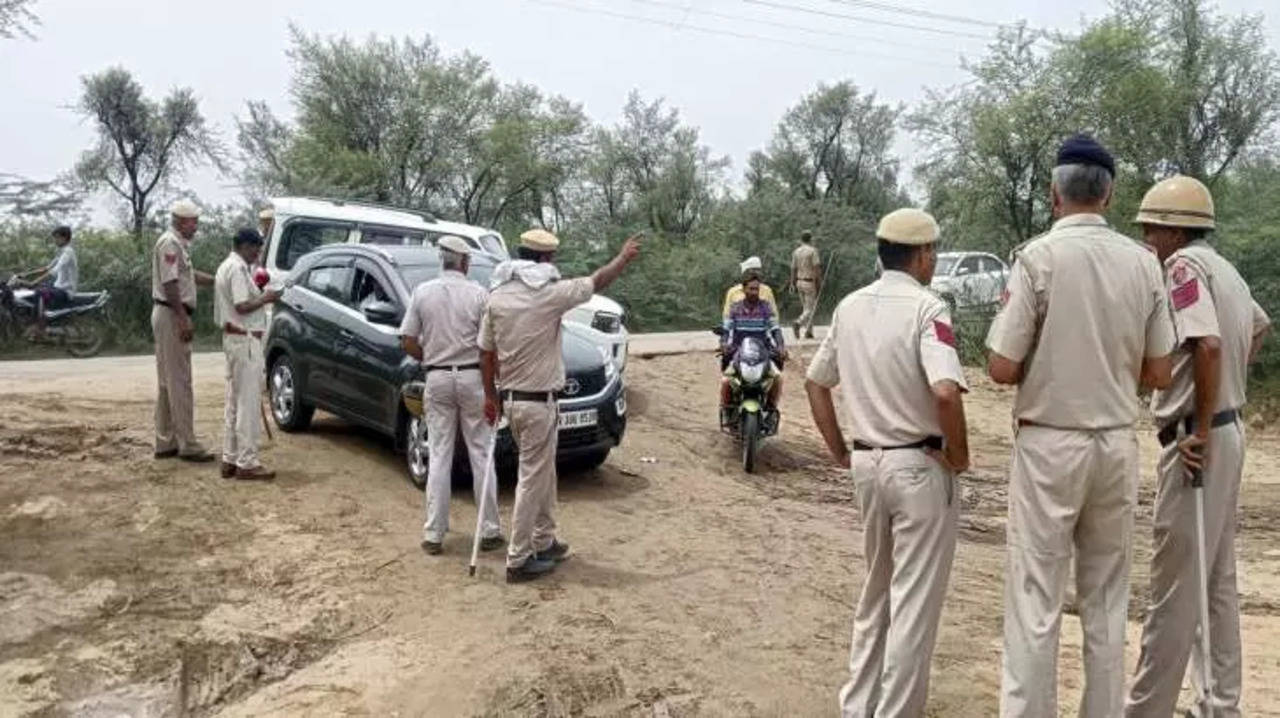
369,213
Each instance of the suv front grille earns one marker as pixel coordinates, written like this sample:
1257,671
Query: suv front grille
589,383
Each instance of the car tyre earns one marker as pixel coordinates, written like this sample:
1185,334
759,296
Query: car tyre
290,411
417,457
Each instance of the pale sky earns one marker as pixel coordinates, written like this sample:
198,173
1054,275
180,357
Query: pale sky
731,83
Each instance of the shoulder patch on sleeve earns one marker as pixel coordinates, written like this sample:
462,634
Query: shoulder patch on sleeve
1186,294
945,335
1179,272
170,257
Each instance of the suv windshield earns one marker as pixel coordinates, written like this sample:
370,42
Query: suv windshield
492,244
945,263
415,274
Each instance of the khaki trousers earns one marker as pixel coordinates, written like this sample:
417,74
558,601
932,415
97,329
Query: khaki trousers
909,538
535,428
175,404
455,400
242,415
1070,490
808,302
1169,636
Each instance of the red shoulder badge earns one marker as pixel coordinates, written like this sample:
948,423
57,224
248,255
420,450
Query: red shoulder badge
170,257
1004,296
1186,294
945,335
1179,273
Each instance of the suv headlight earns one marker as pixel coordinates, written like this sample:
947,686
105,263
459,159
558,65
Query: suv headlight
606,322
610,368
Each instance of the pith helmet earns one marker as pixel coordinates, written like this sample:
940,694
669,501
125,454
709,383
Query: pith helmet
539,240
908,226
1179,201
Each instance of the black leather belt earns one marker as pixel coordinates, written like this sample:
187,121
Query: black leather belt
517,395
452,367
931,442
1169,434
190,309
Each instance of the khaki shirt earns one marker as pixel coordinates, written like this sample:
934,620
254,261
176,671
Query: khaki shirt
444,317
805,263
1208,299
171,260
1083,307
232,285
522,325
889,343
736,294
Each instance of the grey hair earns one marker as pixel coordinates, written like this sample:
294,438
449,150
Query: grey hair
1082,183
452,260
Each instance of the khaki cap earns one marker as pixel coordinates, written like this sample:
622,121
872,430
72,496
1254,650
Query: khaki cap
457,245
539,240
268,213
184,208
1179,201
908,226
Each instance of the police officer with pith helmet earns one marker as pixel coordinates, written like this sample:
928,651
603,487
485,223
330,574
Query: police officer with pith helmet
440,330
1219,330
173,290
892,349
1084,322
523,370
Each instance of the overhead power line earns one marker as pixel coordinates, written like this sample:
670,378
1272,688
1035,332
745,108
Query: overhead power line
874,21
799,28
915,12
740,35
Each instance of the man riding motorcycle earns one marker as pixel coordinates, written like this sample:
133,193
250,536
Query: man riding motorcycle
55,282
750,316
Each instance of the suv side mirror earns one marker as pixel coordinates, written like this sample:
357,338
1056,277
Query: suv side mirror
382,313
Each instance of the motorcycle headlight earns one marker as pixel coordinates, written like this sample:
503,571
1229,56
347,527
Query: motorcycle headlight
751,373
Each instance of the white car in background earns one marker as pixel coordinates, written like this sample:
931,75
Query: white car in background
303,224
969,279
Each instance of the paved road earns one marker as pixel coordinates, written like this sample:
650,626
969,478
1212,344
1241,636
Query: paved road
139,366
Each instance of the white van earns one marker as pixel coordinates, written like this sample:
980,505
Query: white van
303,224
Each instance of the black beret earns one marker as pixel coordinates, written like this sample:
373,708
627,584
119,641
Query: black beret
1081,149
247,235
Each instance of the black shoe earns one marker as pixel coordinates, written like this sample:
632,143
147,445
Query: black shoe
166,454
556,552
432,548
532,568
492,543
202,456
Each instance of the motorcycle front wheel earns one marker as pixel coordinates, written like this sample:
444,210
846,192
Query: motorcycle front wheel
83,336
750,440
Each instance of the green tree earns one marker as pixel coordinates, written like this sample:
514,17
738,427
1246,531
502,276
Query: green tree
142,145
16,18
836,144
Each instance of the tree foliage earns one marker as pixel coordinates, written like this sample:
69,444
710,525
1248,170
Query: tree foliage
17,18
142,144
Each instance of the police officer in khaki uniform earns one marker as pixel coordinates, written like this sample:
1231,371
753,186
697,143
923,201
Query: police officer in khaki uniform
524,369
173,289
440,331
892,349
266,223
806,278
1219,329
238,310
1085,321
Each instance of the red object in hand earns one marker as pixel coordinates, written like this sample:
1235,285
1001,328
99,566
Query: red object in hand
261,277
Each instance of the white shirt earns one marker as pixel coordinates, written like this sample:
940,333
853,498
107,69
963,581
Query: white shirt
444,317
232,285
65,269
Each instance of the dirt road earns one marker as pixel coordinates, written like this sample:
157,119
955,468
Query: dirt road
143,588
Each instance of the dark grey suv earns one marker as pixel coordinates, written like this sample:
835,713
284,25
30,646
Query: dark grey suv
334,344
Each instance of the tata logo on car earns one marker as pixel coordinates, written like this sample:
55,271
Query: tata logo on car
572,387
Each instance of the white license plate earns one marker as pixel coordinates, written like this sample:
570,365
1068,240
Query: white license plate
578,419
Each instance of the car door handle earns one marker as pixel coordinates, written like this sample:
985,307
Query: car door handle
346,335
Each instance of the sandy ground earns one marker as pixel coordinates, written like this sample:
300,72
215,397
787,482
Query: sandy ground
135,587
